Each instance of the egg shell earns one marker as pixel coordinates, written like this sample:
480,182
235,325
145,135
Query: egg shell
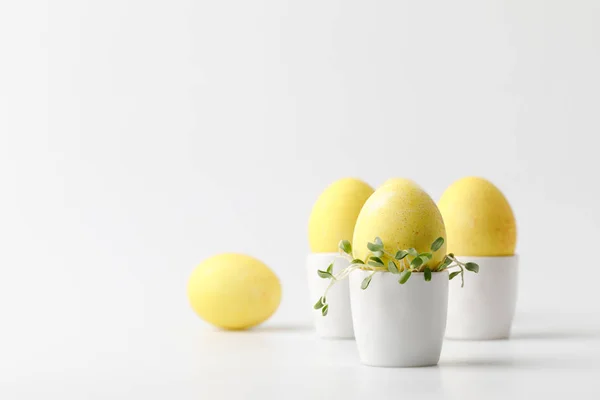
403,215
233,291
479,219
334,214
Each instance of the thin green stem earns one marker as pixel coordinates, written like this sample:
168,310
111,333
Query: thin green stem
388,254
462,270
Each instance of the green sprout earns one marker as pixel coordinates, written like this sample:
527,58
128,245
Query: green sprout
398,264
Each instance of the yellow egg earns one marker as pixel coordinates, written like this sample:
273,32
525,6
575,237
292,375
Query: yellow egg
233,291
478,219
334,214
403,216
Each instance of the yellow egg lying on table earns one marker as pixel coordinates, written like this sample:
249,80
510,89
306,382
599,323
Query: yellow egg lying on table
334,214
403,216
233,291
478,218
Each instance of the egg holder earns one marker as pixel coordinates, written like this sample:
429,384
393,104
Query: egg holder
484,308
338,323
399,325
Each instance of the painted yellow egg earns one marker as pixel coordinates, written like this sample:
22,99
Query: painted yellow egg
478,218
404,217
334,214
233,291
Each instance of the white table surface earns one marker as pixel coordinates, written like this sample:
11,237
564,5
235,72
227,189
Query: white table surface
549,356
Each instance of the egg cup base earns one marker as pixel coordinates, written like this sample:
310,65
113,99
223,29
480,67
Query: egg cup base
484,308
399,326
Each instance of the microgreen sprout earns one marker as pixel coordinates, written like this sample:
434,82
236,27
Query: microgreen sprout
403,263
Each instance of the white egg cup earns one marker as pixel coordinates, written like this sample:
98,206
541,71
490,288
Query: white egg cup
484,308
337,324
399,325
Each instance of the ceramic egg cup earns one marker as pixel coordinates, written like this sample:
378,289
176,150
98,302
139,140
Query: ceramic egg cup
484,308
399,325
338,322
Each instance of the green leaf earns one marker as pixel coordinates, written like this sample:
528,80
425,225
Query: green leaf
324,274
346,246
357,261
378,241
325,309
437,243
426,257
319,304
447,261
365,282
453,274
412,252
374,247
401,254
427,274
392,267
330,268
377,253
404,276
471,266
416,262
377,260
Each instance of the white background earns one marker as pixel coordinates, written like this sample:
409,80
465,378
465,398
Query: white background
138,138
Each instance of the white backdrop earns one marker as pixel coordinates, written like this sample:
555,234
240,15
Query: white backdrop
139,137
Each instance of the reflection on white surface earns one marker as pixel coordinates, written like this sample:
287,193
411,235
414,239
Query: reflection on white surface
289,361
